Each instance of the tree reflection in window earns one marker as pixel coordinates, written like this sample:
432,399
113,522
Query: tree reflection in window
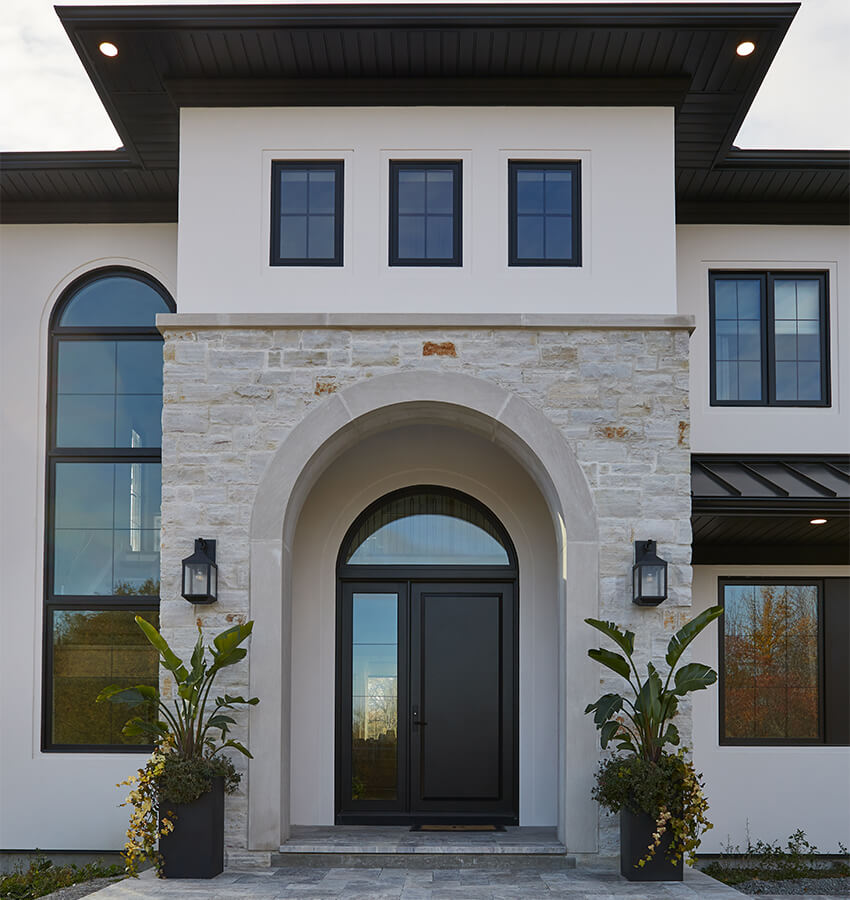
770,662
374,700
92,649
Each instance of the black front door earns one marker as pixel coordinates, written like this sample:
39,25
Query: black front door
427,702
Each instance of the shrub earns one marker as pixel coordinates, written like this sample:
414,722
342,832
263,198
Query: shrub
765,861
42,877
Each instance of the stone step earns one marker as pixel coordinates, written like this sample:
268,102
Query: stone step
357,846
502,860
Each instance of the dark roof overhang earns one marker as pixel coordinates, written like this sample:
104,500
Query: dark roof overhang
669,54
84,186
757,509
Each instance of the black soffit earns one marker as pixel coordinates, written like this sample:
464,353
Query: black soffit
758,509
680,55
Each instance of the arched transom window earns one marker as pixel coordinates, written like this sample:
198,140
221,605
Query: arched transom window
103,502
427,526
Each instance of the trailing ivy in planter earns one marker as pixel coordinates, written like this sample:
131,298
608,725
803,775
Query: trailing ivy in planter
178,796
658,794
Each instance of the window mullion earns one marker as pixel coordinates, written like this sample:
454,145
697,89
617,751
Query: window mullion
769,342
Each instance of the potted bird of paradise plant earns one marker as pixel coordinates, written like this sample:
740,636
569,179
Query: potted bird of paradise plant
658,793
177,798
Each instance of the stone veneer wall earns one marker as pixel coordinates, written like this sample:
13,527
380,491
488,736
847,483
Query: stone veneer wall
619,397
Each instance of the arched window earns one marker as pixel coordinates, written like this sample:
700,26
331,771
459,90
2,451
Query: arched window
426,527
103,503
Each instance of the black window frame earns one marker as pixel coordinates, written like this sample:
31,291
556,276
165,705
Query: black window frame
311,165
767,279
454,165
833,690
517,165
54,455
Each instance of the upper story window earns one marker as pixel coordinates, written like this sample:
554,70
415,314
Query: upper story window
103,503
784,671
307,202
425,213
769,339
544,214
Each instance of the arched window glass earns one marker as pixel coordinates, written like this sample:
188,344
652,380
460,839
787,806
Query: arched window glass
123,300
103,503
428,527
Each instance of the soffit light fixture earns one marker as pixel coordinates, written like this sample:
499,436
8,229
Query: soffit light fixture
817,521
200,574
649,575
745,48
107,48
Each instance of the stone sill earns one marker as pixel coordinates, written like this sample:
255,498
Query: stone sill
484,321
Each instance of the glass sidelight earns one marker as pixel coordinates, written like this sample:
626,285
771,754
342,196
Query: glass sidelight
371,692
374,696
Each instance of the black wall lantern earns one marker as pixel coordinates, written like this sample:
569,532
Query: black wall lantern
649,575
200,573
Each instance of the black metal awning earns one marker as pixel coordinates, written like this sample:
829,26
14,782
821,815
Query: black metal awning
759,509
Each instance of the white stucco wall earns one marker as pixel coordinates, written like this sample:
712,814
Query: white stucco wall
627,209
718,429
421,455
772,790
48,800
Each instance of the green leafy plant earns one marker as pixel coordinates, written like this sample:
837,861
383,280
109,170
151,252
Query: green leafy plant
189,726
189,733
42,877
770,861
670,790
655,703
650,779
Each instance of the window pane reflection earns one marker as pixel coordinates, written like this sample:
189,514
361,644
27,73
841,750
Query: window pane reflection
92,649
109,394
424,213
374,701
737,339
542,200
427,529
106,529
114,301
797,339
308,202
771,661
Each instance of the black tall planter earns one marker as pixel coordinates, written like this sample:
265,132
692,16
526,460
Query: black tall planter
635,837
195,849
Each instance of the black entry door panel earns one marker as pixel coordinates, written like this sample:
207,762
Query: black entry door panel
461,681
457,690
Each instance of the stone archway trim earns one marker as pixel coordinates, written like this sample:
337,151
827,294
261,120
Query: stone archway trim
365,408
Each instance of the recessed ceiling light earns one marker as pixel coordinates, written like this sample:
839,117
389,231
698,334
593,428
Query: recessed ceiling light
745,48
109,49
817,521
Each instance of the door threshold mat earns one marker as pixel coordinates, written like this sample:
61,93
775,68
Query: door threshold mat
457,827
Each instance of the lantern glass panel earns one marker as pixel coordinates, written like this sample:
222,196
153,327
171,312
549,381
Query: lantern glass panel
195,579
213,581
652,581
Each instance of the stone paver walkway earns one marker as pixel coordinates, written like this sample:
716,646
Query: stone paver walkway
582,883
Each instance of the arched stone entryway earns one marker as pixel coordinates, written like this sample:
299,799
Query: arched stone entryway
365,409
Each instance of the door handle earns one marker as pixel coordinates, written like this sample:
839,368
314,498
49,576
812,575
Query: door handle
415,715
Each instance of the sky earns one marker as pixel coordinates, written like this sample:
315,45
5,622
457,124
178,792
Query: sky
48,103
